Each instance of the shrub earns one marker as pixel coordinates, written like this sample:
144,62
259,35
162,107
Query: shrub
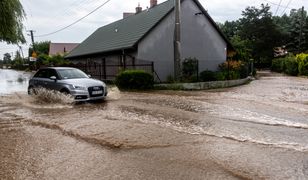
190,70
291,66
190,66
234,75
212,76
220,76
207,76
134,79
244,71
231,65
302,60
278,65
237,69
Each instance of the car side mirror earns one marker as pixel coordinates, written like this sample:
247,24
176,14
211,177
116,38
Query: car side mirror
89,75
53,78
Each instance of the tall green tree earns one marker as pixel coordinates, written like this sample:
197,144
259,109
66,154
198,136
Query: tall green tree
230,28
258,27
41,48
298,31
283,24
7,58
243,48
11,16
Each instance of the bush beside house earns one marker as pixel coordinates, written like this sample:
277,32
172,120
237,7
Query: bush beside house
134,79
229,70
292,65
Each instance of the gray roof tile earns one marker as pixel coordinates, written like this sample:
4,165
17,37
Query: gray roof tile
124,33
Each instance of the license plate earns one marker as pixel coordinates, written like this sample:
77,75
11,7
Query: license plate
97,92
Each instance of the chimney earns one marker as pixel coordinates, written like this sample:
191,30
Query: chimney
153,3
138,9
127,14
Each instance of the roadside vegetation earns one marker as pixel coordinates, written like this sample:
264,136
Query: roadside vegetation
134,80
292,65
258,32
43,59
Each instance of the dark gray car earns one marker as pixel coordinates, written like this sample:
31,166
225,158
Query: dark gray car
70,81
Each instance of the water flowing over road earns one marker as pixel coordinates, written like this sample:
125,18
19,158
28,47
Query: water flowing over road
255,131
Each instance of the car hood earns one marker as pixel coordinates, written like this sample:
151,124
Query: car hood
85,82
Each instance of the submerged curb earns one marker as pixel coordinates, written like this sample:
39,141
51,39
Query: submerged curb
204,85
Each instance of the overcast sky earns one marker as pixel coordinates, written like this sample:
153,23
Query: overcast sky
46,16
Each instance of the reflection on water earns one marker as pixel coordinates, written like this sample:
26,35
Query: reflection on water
12,81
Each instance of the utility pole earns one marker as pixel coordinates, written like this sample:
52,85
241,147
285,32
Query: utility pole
301,30
32,38
177,41
21,52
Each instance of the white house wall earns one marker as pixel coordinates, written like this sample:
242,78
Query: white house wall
199,39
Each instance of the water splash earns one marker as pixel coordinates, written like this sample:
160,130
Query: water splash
113,93
44,96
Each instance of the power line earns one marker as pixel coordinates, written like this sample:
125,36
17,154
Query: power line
48,34
286,7
278,7
74,6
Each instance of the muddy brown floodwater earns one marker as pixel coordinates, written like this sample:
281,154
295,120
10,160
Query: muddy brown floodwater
255,131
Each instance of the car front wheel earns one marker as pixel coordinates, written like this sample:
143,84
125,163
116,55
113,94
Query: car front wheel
32,91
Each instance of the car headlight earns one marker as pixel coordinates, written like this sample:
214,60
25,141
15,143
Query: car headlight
78,87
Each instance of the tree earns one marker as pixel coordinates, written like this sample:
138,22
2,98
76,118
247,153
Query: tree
258,28
7,58
41,48
298,31
230,28
243,48
11,16
283,24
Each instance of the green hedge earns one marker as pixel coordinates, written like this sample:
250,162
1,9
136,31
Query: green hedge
289,65
213,76
278,65
302,60
134,79
207,76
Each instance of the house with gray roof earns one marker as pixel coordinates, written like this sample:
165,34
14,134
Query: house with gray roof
148,35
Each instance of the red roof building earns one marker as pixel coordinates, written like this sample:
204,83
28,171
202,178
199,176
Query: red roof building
61,48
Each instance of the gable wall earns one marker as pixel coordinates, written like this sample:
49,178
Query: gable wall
199,39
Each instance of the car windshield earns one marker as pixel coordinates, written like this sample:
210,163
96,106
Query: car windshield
71,74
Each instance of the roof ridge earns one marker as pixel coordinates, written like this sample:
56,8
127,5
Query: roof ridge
141,13
133,28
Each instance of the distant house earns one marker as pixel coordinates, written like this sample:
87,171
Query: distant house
61,48
147,36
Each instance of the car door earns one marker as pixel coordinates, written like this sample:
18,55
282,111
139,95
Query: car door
52,84
39,78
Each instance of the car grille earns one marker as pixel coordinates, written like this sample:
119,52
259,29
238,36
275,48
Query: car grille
80,97
94,89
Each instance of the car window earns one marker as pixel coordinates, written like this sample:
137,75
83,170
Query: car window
71,73
53,72
46,73
42,73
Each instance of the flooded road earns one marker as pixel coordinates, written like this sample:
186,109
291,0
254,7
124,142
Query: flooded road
255,131
13,81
